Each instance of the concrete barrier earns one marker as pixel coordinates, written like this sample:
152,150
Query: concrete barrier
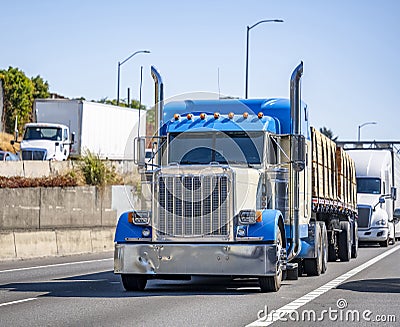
33,244
33,168
36,244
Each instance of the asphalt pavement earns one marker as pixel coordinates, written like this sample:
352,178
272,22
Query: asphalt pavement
83,291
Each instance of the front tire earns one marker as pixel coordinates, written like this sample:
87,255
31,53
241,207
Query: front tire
384,244
133,282
273,283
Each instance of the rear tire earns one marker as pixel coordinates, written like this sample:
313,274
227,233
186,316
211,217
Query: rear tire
273,283
344,251
324,248
313,267
354,246
133,282
332,256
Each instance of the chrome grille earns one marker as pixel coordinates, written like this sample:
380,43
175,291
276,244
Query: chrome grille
193,205
364,214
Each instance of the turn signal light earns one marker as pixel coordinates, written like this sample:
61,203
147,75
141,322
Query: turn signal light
259,216
130,217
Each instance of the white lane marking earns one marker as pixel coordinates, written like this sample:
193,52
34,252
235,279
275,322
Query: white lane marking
55,265
16,302
294,305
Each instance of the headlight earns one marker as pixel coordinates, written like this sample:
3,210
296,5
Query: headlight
241,232
381,222
146,232
140,217
249,217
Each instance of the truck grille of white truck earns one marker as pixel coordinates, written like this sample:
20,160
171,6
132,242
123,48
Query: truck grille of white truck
193,205
364,215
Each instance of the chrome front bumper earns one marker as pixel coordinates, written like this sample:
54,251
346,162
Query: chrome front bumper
245,260
373,234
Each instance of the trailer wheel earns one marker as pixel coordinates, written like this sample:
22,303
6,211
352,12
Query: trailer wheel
324,248
354,246
133,282
313,267
344,251
273,283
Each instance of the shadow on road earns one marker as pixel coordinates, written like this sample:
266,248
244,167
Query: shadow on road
107,285
384,285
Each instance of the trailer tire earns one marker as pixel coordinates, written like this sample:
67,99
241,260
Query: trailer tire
273,283
324,248
354,246
133,282
332,256
344,250
313,267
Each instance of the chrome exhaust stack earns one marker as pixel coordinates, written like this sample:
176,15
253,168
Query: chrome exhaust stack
158,99
296,153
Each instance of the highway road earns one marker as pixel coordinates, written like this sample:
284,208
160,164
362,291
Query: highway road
83,291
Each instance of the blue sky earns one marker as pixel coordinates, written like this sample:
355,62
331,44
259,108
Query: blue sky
350,51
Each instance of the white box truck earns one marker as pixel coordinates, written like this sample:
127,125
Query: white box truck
378,178
102,129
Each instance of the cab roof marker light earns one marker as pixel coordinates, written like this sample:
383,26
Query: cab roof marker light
216,115
245,115
231,115
176,116
260,115
189,116
202,116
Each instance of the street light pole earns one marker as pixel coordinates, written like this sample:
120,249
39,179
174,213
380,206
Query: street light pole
364,124
247,48
119,69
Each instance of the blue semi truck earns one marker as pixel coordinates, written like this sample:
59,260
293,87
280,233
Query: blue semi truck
238,187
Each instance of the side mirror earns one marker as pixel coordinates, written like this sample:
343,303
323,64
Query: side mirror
298,149
393,193
73,138
381,201
141,152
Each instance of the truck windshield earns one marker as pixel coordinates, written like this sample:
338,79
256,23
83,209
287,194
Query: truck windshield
369,185
225,148
43,133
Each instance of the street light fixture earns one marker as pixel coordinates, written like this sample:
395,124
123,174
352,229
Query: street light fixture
119,68
364,124
247,48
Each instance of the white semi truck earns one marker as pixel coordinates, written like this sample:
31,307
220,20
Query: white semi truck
102,129
378,178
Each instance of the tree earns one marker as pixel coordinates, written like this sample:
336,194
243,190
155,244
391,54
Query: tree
328,133
122,103
41,90
18,98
